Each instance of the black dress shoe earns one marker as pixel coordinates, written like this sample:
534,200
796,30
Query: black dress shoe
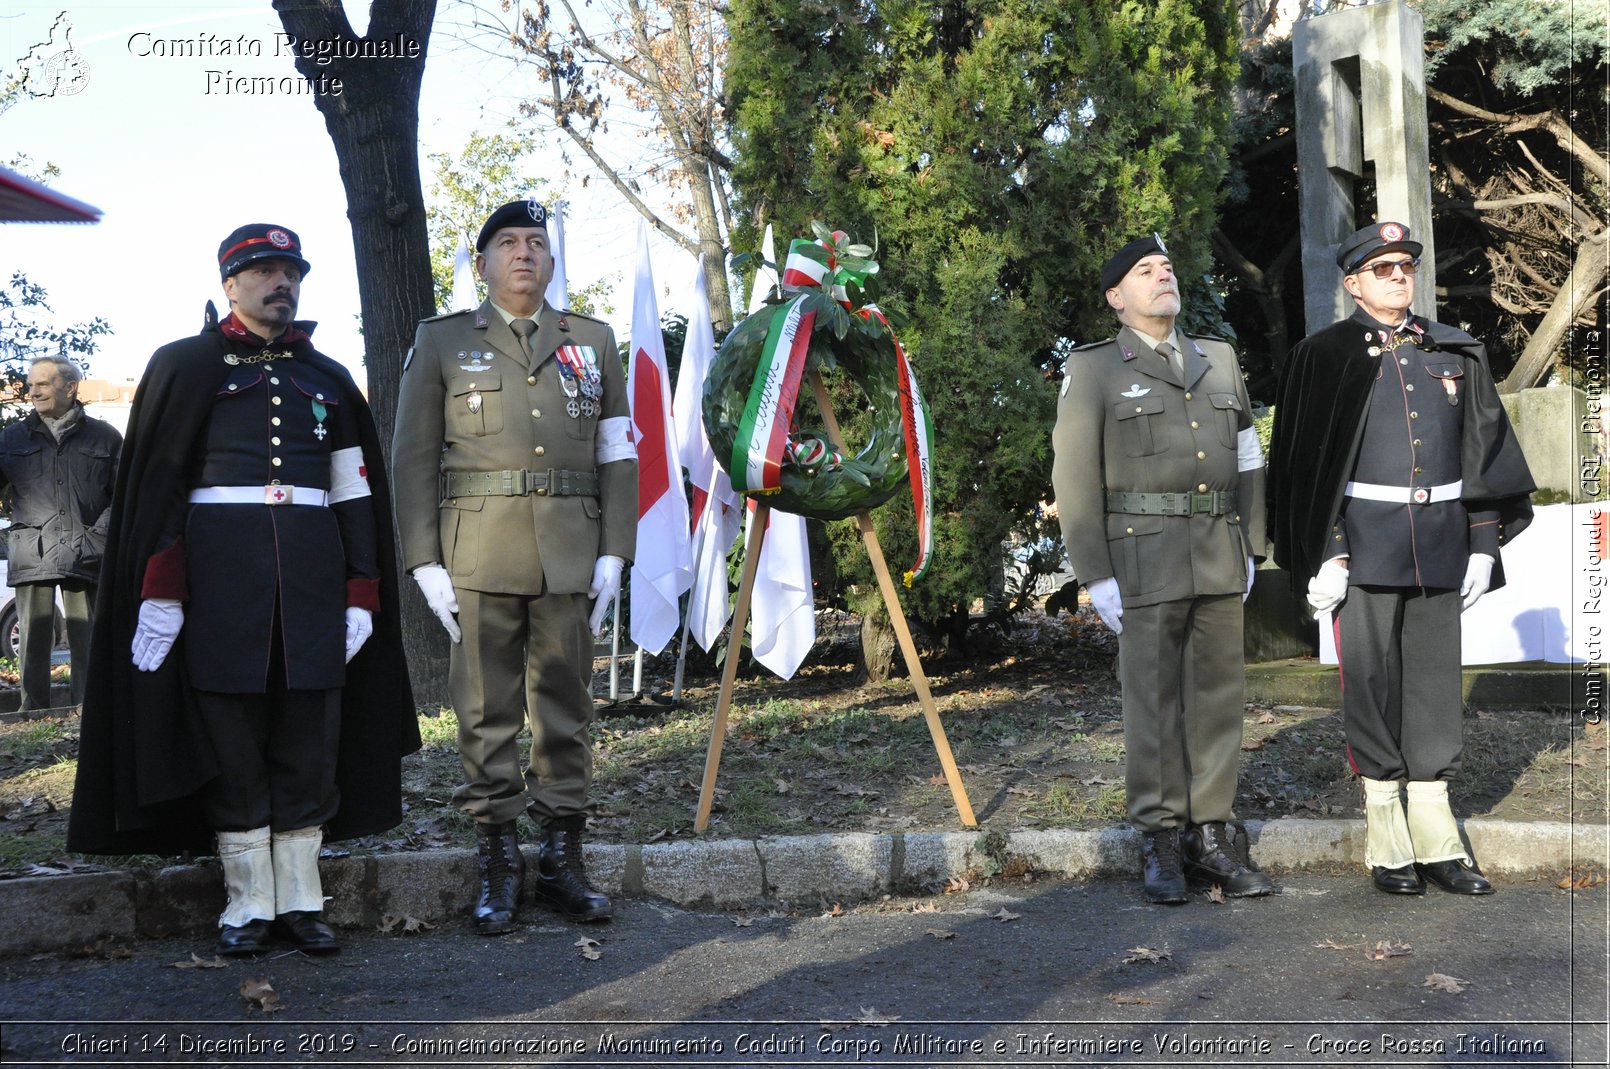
1456,877
1216,854
306,930
1162,879
1399,881
248,938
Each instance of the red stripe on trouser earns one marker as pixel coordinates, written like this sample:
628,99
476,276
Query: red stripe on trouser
1341,680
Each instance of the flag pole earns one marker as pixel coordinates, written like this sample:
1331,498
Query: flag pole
729,671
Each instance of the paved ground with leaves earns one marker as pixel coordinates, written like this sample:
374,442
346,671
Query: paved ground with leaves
1327,972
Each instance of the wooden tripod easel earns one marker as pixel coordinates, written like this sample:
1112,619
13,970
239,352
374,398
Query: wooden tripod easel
891,601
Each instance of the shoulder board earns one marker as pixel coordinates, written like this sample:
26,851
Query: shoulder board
1210,337
447,315
568,314
1093,344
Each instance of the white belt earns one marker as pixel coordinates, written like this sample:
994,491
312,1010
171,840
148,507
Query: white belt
1406,495
273,494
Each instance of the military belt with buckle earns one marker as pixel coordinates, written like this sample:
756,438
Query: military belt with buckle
555,482
1212,503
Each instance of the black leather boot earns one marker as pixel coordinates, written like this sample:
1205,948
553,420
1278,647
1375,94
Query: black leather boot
561,879
1161,876
1218,853
502,877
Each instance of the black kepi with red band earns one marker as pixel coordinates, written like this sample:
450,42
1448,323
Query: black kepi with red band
259,241
1372,240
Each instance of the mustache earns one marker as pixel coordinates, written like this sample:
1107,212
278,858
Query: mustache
279,296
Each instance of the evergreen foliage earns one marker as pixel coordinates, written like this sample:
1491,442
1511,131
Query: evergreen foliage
995,152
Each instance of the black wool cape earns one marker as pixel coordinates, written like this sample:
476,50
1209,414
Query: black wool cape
143,751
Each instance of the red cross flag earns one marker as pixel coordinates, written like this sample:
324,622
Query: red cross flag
663,570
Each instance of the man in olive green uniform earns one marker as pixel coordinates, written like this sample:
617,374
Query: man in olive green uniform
517,503
1159,486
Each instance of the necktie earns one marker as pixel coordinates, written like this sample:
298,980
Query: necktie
523,329
1172,355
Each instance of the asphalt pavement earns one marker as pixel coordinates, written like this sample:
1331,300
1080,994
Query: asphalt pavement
839,951
1327,972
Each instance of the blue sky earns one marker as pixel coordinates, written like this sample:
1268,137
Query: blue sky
175,163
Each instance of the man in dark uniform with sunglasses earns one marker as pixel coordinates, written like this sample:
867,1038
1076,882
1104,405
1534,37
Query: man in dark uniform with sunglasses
1394,479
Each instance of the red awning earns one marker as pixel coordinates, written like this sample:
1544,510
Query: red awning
22,200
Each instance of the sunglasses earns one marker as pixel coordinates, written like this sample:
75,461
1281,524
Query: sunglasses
1384,269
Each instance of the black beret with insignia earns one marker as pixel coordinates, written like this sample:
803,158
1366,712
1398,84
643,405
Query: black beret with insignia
1120,263
529,212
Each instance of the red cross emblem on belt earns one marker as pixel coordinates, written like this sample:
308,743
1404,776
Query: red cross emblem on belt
1421,495
276,495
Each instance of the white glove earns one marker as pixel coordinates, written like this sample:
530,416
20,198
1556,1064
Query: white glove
360,625
437,586
158,625
1478,578
606,584
1328,589
1252,575
1108,604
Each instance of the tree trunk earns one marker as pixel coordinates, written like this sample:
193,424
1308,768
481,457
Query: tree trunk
1581,288
371,110
880,649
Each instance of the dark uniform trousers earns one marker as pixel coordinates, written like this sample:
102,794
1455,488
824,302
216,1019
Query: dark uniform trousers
1399,649
522,652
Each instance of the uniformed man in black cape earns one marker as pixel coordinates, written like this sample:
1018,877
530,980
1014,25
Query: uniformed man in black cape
1394,478
247,680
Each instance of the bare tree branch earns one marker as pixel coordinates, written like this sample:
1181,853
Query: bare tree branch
1550,121
1581,289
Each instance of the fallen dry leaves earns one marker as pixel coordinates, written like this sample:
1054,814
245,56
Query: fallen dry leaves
392,922
260,993
1130,1000
940,933
873,1019
1440,982
956,885
589,948
1580,880
1267,717
1386,949
1005,915
925,907
742,922
198,962
1216,895
1331,944
1139,954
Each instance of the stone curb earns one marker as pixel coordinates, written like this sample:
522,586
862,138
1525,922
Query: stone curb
434,886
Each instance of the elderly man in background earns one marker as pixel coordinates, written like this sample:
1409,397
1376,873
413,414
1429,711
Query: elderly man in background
57,466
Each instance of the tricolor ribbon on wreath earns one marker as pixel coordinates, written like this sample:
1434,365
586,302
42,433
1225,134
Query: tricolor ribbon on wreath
762,444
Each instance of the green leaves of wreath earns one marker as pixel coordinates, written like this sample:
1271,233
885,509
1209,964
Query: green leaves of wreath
865,350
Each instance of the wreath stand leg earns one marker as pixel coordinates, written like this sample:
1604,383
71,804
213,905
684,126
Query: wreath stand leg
729,671
897,617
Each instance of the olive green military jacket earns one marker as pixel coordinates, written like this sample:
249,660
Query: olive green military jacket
1127,423
471,402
